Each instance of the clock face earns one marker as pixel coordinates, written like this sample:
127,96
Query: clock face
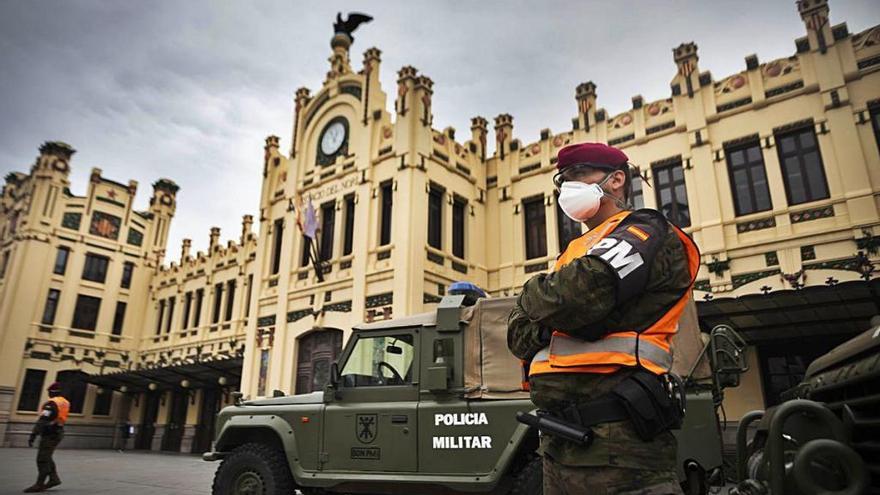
334,136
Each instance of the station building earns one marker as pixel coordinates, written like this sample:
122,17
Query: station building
774,171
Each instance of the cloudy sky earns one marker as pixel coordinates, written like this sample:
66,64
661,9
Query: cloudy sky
189,90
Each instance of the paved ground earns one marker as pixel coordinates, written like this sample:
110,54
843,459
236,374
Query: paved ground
110,472
89,472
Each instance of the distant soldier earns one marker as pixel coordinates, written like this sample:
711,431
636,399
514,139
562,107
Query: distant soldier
50,428
595,334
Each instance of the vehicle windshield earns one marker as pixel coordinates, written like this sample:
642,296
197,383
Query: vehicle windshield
376,361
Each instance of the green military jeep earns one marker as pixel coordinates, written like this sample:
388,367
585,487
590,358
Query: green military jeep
422,404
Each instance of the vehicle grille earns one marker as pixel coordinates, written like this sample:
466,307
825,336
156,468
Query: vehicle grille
852,392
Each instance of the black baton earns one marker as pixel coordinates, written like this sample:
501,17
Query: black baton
551,425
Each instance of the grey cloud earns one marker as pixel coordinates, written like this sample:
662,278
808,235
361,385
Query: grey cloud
189,90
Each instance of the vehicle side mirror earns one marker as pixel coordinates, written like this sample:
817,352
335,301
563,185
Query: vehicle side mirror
727,356
334,375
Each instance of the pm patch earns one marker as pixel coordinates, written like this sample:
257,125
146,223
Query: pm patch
620,254
630,250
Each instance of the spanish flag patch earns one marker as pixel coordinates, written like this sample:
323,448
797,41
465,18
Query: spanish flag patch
641,234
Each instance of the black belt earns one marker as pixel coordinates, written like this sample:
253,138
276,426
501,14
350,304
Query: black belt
597,411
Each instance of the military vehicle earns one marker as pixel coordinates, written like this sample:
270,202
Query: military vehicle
427,404
826,437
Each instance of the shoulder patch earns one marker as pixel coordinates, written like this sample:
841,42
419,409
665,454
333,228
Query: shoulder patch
630,249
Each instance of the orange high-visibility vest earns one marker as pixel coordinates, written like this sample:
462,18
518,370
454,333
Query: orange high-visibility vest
63,407
650,349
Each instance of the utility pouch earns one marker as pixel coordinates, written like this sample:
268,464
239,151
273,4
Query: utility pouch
651,403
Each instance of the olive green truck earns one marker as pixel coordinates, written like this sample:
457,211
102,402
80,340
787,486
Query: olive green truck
427,404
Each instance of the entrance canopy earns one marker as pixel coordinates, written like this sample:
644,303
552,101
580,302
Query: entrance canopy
841,309
201,374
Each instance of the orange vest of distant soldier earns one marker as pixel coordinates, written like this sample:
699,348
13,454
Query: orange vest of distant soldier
650,349
63,408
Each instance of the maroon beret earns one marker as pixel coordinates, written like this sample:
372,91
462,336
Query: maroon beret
54,386
596,155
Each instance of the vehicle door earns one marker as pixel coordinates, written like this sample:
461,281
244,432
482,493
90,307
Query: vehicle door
370,424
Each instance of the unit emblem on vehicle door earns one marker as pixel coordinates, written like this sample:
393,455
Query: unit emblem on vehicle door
366,427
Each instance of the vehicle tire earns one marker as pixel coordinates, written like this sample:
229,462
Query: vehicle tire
530,480
253,469
695,481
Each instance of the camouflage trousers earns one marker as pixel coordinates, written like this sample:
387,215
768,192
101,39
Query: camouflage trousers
45,463
606,480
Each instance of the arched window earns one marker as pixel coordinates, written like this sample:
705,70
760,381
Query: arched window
317,351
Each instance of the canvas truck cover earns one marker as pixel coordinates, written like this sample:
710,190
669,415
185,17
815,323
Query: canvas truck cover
492,372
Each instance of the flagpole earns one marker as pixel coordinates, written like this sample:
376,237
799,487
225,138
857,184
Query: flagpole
316,261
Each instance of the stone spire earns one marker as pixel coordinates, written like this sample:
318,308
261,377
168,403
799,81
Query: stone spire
215,239
688,72
814,13
585,94
246,222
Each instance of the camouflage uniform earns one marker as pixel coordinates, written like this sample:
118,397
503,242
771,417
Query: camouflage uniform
579,299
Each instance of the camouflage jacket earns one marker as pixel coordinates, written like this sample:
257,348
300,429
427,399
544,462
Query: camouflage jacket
581,300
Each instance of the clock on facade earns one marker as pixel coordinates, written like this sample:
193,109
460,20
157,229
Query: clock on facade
333,141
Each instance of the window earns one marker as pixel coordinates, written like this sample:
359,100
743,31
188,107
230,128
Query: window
61,258
197,314
459,205
748,181
4,262
306,251
671,194
171,301
127,271
875,122
638,195
348,236
51,307
159,317
85,316
119,317
385,225
230,298
218,298
31,390
535,228
74,389
103,401
95,268
435,218
187,307
277,237
802,169
247,302
376,361
328,219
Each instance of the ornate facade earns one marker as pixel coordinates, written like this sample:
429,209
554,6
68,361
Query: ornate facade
774,171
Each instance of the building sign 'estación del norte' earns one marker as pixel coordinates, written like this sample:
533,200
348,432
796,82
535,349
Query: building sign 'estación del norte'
774,171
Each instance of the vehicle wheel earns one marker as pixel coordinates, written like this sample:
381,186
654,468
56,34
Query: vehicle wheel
530,480
253,469
695,480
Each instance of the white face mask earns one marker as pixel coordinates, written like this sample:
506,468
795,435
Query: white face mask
581,201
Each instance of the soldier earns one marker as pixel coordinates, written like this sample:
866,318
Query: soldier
50,428
595,334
